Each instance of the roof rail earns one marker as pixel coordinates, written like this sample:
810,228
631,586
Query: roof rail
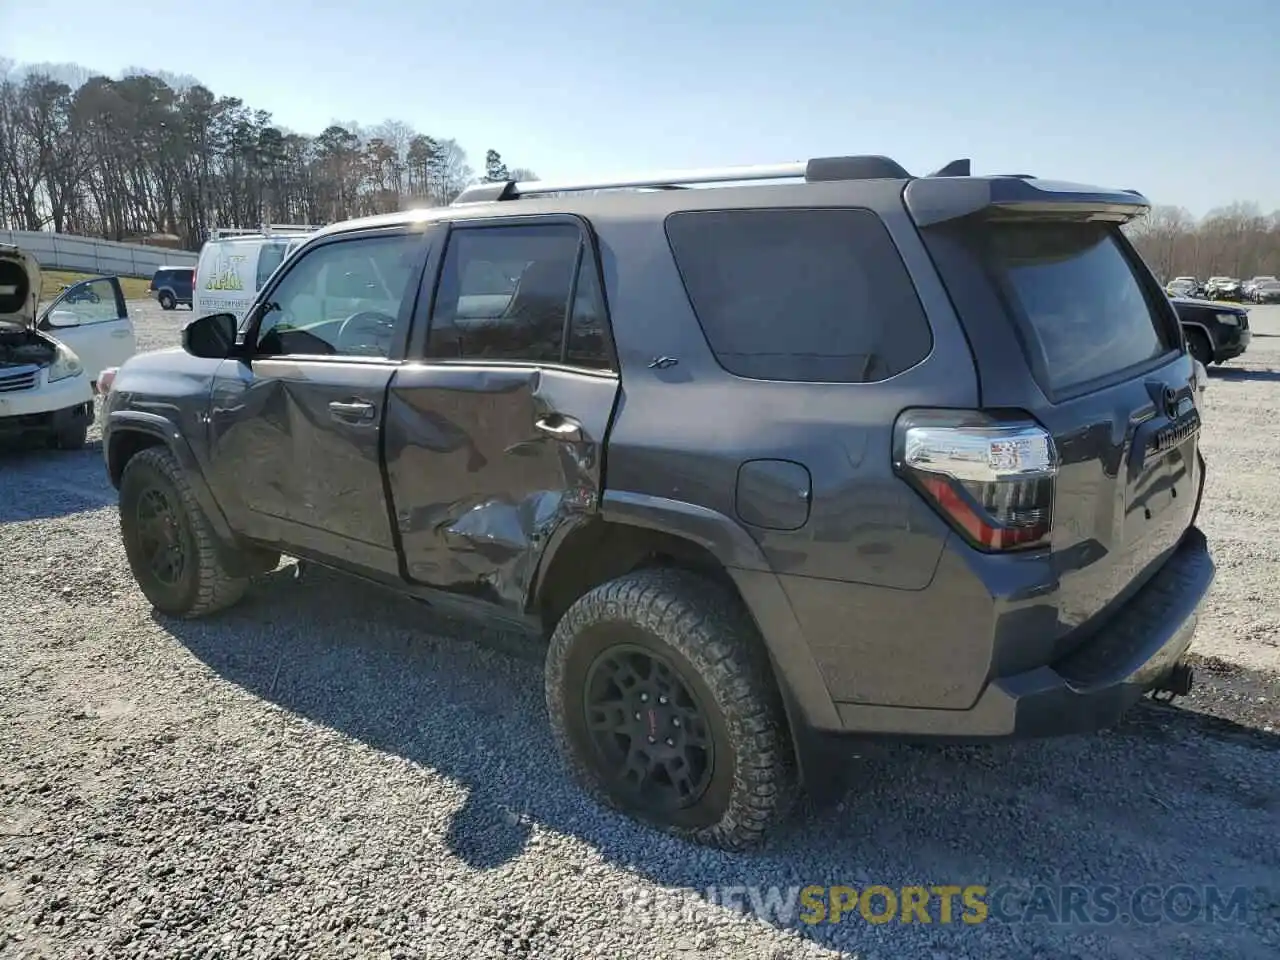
819,169
270,228
263,230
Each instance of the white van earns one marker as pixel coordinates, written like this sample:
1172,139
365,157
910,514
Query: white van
234,265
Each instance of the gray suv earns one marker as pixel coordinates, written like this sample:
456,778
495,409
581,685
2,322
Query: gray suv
839,452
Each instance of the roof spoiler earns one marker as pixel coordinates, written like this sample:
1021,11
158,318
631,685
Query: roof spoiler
935,200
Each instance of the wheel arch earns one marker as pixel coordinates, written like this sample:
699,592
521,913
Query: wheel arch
130,432
1194,326
632,531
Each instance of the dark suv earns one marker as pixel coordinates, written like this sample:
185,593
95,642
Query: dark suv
172,286
1215,332
862,453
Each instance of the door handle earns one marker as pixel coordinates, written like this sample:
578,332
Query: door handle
120,333
560,427
358,410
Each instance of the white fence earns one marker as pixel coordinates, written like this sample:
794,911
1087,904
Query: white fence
58,251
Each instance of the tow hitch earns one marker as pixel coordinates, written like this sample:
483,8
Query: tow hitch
1176,683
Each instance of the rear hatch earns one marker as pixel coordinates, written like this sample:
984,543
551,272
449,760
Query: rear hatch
1068,325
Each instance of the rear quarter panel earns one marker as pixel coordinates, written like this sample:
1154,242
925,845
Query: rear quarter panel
683,432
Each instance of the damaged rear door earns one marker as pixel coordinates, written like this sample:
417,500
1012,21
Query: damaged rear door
495,436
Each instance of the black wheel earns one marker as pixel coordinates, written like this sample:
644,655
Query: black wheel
169,542
166,301
71,438
663,704
1198,345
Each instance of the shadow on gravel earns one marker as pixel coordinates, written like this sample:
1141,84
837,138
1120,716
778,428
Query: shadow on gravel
1236,373
42,484
390,673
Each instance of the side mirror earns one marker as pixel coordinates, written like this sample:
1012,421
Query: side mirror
63,318
212,337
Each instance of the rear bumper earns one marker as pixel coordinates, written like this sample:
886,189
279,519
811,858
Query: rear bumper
177,296
1089,689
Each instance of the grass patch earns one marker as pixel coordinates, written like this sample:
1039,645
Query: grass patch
52,281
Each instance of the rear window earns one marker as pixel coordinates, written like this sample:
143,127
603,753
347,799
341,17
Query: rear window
269,257
1076,289
801,295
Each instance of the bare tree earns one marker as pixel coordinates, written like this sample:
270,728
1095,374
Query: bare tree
1235,241
146,152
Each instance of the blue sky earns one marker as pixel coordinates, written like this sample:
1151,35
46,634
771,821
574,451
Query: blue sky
1179,101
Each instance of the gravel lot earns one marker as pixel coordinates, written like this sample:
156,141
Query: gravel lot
329,771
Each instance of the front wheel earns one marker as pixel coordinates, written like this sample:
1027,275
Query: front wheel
663,705
1199,347
171,547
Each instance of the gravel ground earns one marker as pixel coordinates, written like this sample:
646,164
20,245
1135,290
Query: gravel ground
330,771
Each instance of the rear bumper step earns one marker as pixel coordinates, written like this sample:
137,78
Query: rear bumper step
1141,648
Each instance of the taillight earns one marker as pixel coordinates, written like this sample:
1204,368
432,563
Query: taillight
105,379
991,476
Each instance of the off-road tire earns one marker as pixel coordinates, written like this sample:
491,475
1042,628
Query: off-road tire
701,629
166,301
71,438
205,586
1199,347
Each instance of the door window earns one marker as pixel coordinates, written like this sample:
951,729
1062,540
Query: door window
588,344
340,299
94,301
505,292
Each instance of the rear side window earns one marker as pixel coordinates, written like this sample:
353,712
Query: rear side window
801,295
270,256
1077,291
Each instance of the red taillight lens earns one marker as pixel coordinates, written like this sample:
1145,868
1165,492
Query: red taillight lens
105,379
991,477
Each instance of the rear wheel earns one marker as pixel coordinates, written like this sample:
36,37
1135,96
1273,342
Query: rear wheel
1199,346
171,547
166,301
663,705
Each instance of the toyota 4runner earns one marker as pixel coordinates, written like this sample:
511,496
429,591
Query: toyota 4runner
766,462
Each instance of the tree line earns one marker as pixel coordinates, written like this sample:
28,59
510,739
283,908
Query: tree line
1236,241
152,153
